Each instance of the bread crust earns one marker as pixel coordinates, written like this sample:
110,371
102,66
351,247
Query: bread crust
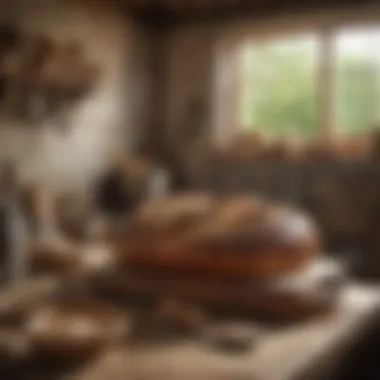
236,237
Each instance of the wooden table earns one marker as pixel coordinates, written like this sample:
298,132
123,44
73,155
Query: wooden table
286,354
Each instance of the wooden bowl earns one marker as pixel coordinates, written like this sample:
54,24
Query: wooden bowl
76,331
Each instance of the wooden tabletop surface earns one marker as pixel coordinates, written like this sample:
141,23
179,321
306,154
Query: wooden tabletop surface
284,354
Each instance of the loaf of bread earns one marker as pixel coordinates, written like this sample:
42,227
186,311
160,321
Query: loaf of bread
239,237
166,215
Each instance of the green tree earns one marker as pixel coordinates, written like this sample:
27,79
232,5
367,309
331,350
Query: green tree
357,92
280,91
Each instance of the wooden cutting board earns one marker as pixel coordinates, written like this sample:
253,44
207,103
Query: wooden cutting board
287,299
294,353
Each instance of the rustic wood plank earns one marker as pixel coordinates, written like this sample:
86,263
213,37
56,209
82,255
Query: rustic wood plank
283,354
28,293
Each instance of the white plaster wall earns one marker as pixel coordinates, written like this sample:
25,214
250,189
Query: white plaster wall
105,121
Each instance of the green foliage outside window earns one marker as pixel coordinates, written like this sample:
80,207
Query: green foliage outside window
280,88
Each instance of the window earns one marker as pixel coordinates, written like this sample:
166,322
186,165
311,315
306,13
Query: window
279,86
288,85
357,80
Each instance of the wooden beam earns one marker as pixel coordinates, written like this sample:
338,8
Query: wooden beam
227,10
325,80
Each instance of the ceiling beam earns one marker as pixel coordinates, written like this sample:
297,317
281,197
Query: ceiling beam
227,10
165,13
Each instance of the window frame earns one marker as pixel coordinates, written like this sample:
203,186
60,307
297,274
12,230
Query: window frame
325,29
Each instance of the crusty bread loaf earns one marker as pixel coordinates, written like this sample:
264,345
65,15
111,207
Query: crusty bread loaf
159,222
237,237
163,217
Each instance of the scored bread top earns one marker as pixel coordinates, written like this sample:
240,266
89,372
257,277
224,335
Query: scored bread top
167,215
239,224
